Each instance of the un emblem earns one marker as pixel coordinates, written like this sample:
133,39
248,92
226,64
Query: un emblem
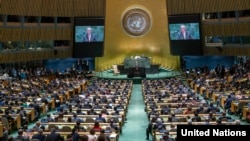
136,22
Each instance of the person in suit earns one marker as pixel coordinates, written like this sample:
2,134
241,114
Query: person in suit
89,36
53,136
21,137
40,136
75,135
183,34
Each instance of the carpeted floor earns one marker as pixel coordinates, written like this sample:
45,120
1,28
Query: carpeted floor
134,129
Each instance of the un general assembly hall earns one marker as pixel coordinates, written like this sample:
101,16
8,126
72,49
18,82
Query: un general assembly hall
124,70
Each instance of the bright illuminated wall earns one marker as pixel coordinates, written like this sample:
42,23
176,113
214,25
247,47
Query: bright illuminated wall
118,44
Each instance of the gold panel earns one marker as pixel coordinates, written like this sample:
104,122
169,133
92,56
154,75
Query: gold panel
118,44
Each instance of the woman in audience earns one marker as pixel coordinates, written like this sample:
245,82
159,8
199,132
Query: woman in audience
97,127
92,136
189,110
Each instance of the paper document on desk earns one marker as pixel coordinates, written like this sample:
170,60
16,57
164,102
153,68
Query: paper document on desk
112,136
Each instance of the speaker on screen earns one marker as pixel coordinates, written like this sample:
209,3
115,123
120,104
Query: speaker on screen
185,35
88,37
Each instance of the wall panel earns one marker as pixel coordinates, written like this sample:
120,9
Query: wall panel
60,8
8,57
203,6
31,34
70,8
226,29
227,51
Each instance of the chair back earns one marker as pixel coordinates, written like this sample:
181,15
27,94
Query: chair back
52,126
115,69
89,120
66,129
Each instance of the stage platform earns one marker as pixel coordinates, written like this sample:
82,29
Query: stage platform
163,73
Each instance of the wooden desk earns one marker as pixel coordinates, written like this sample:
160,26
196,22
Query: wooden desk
71,92
179,103
1,129
196,123
77,89
61,97
107,118
112,136
30,111
202,89
186,115
234,106
196,87
122,112
223,101
192,84
171,97
43,108
246,112
71,125
17,120
172,109
52,103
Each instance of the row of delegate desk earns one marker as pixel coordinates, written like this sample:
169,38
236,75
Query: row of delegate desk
62,122
168,101
215,94
113,136
30,111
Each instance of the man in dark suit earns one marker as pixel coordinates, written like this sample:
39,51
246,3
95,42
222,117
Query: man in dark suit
20,136
40,136
53,136
184,34
89,36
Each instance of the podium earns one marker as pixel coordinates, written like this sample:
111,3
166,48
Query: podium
138,67
136,72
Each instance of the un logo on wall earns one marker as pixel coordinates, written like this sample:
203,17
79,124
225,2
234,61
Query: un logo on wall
136,22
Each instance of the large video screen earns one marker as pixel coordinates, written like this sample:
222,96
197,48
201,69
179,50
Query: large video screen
89,34
88,37
184,31
185,35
